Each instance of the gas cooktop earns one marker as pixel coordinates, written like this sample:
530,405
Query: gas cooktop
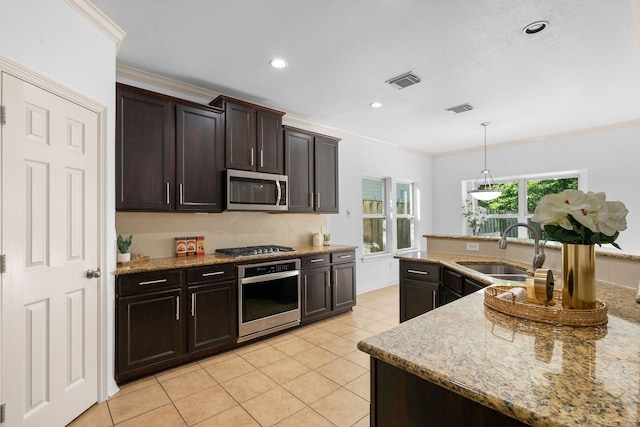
254,250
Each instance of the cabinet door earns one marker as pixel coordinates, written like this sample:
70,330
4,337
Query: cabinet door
149,331
145,151
270,155
326,175
316,291
344,285
240,137
199,151
212,317
299,168
471,286
416,298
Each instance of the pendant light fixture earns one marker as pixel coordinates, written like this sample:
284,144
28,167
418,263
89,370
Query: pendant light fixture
488,190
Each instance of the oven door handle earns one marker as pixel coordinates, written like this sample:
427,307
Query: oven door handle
268,277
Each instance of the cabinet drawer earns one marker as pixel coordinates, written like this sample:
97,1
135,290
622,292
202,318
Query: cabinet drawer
422,271
346,256
136,283
211,273
314,260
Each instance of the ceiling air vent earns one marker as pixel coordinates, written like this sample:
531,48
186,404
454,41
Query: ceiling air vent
404,80
459,108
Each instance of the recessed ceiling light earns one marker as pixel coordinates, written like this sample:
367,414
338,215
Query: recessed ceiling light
535,27
376,105
278,63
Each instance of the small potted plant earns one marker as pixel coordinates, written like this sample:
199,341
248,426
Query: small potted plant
123,248
476,217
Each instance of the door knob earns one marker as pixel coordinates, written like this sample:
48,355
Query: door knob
93,274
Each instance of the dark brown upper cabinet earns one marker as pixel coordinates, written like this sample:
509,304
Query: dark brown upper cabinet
311,163
169,153
253,136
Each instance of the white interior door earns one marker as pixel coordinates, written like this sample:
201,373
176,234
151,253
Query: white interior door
50,239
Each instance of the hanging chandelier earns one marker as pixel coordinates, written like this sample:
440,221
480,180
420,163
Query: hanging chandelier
484,188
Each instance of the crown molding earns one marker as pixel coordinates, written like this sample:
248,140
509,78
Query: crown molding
101,21
164,82
577,132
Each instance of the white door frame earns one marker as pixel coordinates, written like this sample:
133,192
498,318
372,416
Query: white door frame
31,77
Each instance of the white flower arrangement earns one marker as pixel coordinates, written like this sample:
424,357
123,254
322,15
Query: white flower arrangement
581,218
476,218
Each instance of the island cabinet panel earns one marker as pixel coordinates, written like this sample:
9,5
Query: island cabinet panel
150,327
400,399
145,150
253,136
419,288
311,163
169,153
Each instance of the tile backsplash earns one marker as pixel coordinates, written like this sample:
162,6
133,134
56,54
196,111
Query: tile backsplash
154,233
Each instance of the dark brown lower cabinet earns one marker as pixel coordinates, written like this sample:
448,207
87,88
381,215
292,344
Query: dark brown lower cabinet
316,292
213,317
328,285
150,333
401,399
417,298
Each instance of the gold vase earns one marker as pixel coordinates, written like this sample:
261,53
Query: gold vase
578,276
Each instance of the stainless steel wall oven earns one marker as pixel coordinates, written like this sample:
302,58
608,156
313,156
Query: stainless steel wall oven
268,297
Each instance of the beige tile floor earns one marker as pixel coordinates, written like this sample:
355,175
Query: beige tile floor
309,376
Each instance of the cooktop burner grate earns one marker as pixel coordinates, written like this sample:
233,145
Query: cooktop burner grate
254,250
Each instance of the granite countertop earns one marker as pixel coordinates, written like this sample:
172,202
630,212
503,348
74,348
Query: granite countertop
155,264
537,373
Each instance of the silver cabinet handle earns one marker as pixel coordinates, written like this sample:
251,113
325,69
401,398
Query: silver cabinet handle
317,260
434,299
181,195
344,256
193,305
178,307
152,282
252,157
261,157
424,273
311,200
327,279
168,188
214,273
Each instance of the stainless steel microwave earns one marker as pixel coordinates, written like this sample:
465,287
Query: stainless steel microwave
256,191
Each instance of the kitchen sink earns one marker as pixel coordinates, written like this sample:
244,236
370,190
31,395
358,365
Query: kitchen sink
513,277
500,271
495,268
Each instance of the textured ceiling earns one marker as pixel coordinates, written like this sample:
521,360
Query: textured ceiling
581,72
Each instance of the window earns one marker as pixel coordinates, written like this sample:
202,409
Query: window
374,221
404,215
519,199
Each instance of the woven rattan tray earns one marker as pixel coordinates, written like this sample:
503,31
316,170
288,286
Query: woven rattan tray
552,313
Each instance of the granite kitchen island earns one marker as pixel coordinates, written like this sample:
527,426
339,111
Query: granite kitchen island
466,364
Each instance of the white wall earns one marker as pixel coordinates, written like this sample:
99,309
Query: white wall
55,41
609,157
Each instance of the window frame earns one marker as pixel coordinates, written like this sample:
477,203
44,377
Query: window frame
410,215
385,215
522,215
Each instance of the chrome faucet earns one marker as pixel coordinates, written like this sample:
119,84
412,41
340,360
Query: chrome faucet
539,256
